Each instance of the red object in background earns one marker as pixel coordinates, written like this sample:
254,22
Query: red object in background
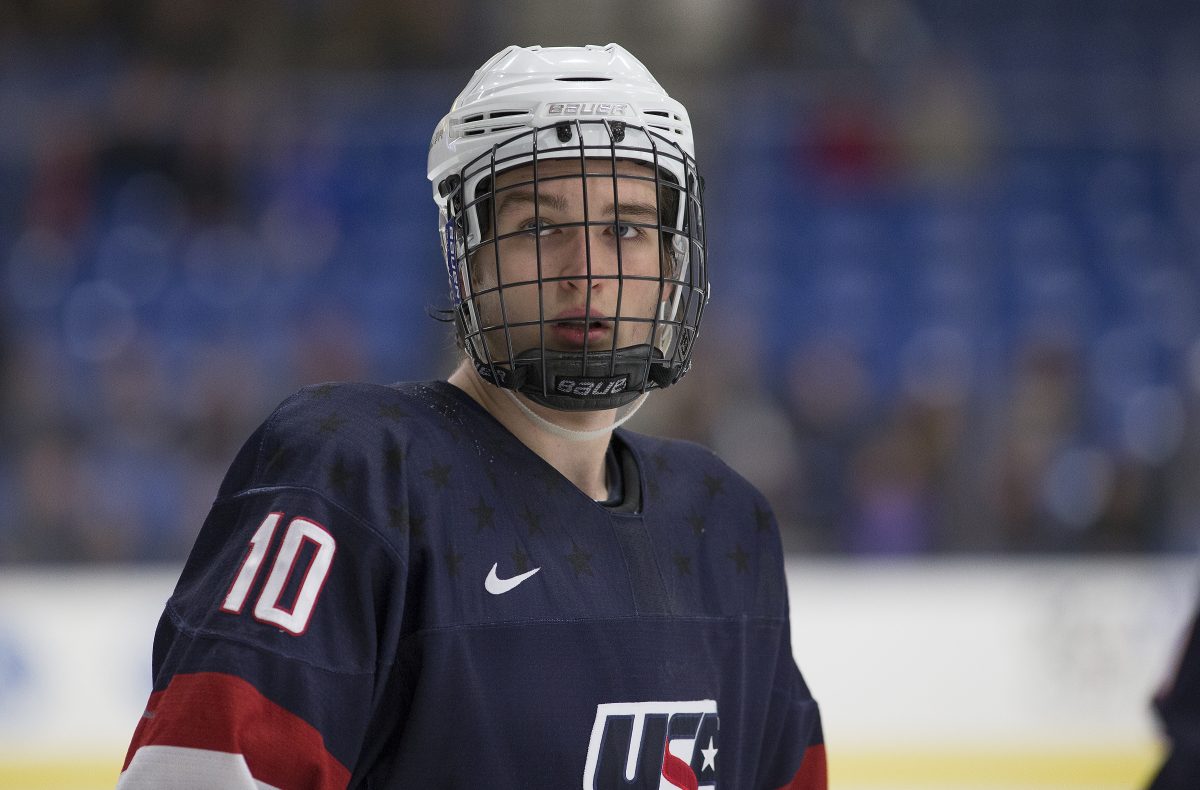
848,146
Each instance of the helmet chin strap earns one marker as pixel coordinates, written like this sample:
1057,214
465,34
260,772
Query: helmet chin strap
567,433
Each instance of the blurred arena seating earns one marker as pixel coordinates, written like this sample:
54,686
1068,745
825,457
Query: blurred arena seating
954,246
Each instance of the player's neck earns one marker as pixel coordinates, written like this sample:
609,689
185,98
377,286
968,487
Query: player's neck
579,460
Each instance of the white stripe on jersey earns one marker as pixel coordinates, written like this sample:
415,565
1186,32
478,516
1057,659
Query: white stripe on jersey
183,768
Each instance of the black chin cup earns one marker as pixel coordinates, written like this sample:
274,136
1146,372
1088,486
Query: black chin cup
602,380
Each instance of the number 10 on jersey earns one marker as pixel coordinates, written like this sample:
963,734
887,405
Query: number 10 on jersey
269,608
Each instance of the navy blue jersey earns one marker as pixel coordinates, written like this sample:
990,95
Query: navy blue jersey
392,591
1178,706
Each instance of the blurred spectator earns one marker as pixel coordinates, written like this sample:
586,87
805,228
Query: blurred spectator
1042,417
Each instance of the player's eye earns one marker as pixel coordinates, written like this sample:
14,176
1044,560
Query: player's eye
536,225
624,230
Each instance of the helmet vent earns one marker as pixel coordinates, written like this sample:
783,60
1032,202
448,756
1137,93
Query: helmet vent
483,128
663,114
583,79
669,116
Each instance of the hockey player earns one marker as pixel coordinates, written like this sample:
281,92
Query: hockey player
485,582
1178,708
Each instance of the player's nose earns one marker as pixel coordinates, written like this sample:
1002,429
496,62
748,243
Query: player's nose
586,260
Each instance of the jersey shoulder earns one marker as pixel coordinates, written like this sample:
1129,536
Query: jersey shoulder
707,515
339,439
685,470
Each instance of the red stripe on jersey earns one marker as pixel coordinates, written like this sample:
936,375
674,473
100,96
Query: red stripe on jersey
223,713
678,773
813,773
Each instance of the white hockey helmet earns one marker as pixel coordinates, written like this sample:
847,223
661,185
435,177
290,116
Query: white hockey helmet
529,104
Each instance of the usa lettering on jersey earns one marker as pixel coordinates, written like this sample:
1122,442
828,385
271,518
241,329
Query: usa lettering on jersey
656,745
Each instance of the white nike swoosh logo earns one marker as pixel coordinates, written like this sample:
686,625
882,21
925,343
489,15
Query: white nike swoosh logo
497,586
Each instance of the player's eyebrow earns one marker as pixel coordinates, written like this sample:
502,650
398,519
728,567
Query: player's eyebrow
513,200
639,211
627,210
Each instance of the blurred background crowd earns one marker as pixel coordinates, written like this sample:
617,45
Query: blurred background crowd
955,250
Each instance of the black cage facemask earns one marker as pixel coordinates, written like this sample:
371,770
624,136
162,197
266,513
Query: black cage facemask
577,263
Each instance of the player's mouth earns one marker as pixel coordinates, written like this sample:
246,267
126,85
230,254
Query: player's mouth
573,327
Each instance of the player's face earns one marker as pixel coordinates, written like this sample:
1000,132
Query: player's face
599,284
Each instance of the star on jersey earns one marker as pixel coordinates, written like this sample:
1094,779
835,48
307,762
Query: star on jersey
439,474
397,518
740,558
392,459
401,521
580,560
684,563
390,411
697,522
762,519
331,424
483,515
533,520
710,756
339,476
713,485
